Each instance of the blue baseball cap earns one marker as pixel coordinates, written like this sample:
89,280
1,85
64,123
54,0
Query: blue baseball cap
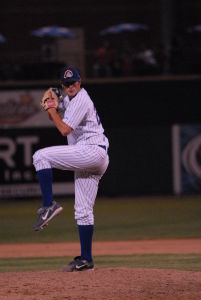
70,74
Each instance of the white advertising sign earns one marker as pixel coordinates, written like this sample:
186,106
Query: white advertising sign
25,128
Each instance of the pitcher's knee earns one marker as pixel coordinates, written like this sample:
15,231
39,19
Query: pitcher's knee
40,160
38,156
86,218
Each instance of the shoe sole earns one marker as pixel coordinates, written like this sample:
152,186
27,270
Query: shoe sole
69,269
74,270
84,270
56,212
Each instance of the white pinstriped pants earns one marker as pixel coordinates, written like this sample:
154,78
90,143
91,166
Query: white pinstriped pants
89,163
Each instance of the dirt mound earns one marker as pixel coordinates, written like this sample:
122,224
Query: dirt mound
103,283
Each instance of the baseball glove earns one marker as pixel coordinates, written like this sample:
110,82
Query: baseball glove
51,99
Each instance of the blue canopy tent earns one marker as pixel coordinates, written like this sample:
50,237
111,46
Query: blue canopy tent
53,32
123,27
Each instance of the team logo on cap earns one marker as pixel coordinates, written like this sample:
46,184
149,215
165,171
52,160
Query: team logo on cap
68,74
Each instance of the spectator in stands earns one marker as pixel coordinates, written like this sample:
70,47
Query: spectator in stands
127,58
145,60
101,67
48,52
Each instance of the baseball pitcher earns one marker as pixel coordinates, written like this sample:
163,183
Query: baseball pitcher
85,154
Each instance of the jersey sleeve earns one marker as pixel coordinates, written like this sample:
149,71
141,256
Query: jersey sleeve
76,112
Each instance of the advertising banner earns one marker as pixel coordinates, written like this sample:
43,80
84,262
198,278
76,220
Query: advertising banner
187,158
24,128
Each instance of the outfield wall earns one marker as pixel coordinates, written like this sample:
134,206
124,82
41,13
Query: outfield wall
138,117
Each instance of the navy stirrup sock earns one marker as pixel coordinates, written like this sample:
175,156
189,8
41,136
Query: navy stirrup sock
86,235
45,179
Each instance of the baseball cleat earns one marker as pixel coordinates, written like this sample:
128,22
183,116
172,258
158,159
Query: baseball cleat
46,214
78,264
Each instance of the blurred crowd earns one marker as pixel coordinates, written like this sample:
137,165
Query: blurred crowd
124,61
113,60
179,58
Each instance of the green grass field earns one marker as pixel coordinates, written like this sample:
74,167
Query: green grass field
189,262
115,219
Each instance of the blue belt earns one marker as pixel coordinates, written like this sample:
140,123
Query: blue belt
102,146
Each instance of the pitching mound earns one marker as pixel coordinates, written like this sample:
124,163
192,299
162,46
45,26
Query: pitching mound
108,284
102,283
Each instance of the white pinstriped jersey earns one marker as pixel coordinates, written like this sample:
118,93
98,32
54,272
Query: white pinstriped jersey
82,156
81,115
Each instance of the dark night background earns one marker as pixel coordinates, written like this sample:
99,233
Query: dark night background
138,109
168,23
